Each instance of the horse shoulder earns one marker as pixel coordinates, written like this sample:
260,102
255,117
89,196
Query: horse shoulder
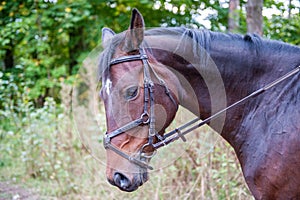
270,153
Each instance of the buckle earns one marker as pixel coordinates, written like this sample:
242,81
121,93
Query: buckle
145,118
106,141
143,56
179,133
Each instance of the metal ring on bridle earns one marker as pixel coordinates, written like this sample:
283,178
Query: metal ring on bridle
143,154
145,118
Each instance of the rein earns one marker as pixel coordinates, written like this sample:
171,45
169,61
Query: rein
142,159
180,131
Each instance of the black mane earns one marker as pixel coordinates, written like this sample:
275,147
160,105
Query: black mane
202,40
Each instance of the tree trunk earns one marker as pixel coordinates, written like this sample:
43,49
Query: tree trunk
9,58
76,46
254,16
290,9
233,17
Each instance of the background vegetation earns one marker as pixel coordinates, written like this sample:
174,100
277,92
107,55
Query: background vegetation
42,145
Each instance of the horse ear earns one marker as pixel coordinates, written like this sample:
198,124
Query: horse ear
107,34
135,34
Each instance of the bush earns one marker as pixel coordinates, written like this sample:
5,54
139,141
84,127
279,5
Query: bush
34,141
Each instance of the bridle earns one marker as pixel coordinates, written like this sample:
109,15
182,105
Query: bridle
146,118
142,158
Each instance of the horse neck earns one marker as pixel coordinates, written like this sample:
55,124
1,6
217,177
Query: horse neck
244,65
249,63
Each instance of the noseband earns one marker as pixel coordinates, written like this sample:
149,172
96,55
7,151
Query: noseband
142,159
147,118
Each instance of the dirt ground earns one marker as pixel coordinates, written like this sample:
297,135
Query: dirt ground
9,191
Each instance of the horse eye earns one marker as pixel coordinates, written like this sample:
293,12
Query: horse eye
131,92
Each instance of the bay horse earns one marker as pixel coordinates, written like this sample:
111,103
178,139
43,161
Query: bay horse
147,74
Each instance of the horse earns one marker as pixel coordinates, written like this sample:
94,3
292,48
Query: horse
211,74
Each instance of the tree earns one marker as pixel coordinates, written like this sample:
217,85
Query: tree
233,16
49,39
254,16
281,26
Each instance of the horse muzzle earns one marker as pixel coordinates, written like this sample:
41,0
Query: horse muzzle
124,183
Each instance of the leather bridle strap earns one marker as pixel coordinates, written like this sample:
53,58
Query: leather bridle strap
148,96
126,59
128,157
123,129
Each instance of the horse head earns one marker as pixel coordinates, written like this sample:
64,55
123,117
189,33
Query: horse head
140,99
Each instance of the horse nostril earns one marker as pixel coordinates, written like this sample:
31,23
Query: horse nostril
121,181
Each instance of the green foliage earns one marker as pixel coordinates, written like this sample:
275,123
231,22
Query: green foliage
283,28
34,140
50,39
